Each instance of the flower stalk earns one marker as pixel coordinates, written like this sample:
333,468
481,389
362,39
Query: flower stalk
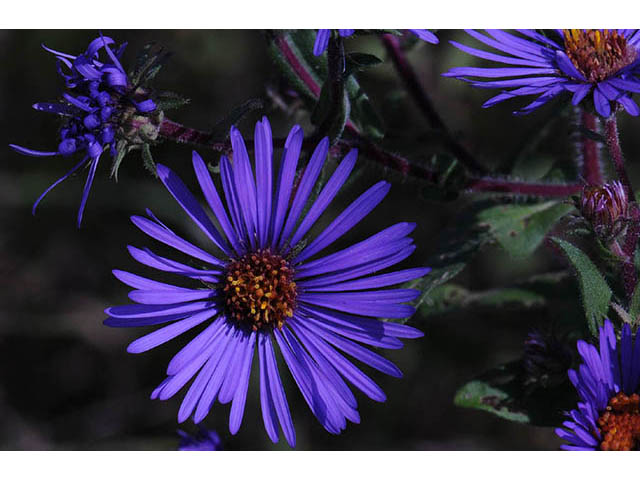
412,83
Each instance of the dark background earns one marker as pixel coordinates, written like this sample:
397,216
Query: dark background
66,381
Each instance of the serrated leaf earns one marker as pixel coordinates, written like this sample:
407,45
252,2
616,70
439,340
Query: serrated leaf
148,64
520,229
595,292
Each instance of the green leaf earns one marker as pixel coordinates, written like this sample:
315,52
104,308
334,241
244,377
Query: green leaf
220,130
170,100
483,396
451,297
595,292
634,306
122,149
147,158
363,115
148,64
357,62
520,229
505,391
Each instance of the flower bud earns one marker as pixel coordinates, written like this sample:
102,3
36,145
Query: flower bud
605,208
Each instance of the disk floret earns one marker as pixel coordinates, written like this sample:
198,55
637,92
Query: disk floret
259,290
598,54
620,423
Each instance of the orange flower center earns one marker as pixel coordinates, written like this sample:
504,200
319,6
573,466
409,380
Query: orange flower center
598,54
259,290
620,423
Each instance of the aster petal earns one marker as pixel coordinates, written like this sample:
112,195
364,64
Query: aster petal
581,92
169,238
290,156
240,396
163,335
179,380
346,32
377,281
337,411
425,35
358,352
367,268
626,352
307,182
264,178
230,384
202,381
266,399
162,297
146,311
190,205
374,327
136,281
601,103
356,377
518,47
389,240
245,185
233,204
345,302
567,66
350,217
630,106
327,195
496,72
322,41
125,322
56,183
304,380
147,257
213,199
277,393
500,58
219,375
32,153
196,345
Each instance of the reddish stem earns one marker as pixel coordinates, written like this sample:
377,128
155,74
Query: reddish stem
423,102
591,168
539,189
613,142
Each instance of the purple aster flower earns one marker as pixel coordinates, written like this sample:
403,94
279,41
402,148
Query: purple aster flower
600,65
269,287
608,381
93,107
204,441
322,38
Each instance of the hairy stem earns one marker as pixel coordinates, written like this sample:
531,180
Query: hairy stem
423,102
335,55
591,168
508,186
613,143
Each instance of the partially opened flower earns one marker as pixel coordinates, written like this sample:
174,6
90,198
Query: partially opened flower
97,100
204,441
323,35
265,285
608,385
598,65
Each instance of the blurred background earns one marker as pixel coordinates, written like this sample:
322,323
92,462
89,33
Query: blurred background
66,381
